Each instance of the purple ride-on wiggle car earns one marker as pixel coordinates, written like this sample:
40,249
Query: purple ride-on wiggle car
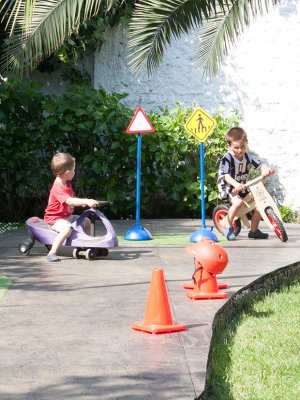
84,245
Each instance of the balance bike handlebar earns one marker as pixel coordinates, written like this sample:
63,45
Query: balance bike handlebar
259,178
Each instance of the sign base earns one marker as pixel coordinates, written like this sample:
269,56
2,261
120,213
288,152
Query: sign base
137,232
203,233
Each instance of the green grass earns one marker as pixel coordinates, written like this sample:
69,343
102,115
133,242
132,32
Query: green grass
258,356
161,239
180,239
5,283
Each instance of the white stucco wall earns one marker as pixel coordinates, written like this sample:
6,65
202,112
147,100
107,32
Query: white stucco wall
261,79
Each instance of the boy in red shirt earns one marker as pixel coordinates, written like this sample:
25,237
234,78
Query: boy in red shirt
61,202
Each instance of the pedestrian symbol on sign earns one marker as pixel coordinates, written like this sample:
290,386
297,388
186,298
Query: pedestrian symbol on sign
200,124
201,127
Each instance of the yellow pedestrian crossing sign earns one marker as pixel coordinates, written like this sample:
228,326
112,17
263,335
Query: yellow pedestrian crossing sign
200,124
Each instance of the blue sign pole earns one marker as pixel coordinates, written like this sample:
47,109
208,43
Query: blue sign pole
202,233
138,180
201,154
138,232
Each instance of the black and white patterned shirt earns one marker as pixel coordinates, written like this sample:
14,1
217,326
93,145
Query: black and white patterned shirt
237,169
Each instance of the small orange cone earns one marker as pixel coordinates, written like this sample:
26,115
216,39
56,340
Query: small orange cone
190,285
210,259
158,317
205,287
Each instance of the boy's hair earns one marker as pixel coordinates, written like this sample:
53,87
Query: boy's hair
235,134
61,162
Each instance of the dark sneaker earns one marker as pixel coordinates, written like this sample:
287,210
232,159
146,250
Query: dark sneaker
257,235
229,233
52,257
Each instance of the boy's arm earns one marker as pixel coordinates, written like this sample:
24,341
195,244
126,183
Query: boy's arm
76,201
257,164
265,170
234,183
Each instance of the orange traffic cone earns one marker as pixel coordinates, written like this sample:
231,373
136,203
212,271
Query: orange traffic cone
158,317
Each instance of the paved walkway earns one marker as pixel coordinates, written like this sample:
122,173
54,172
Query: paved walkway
65,328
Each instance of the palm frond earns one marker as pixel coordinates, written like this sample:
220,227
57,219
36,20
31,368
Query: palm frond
12,9
220,33
155,22
38,32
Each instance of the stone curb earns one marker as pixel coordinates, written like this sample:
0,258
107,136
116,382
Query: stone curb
258,289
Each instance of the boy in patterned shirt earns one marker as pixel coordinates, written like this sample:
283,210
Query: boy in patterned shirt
233,173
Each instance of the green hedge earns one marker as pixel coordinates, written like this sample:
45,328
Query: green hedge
90,124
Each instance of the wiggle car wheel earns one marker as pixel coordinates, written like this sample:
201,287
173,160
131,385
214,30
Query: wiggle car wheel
102,252
23,250
277,224
26,246
219,213
76,253
91,254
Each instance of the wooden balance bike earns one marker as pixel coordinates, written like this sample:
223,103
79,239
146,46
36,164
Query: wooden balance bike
257,198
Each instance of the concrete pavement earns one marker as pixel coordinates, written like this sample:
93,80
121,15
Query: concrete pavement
65,328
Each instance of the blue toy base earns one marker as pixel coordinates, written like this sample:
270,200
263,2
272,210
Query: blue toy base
137,232
203,233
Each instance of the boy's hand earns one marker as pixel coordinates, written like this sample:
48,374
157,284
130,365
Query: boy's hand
92,203
265,170
239,188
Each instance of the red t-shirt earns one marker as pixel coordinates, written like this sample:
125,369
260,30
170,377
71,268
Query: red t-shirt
57,207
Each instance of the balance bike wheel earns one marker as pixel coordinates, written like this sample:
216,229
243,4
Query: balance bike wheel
277,224
219,213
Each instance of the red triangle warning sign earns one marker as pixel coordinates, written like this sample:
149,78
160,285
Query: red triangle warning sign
140,123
